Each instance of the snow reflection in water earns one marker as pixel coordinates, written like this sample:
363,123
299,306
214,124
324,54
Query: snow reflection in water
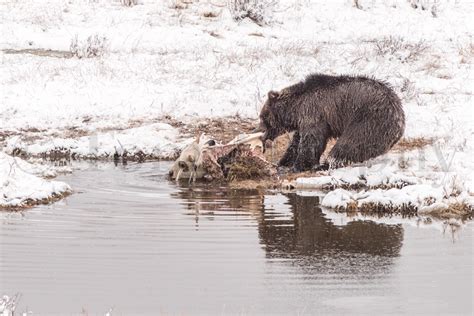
133,240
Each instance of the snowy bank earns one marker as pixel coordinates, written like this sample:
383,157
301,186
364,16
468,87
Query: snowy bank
193,61
451,225
20,187
157,141
378,175
412,199
410,182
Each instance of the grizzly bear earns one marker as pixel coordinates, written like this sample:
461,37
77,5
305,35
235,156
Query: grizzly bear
364,114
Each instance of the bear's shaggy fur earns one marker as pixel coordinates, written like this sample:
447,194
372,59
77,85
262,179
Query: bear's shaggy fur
364,114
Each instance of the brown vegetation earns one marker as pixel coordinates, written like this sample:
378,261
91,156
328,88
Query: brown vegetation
34,202
455,210
222,129
406,144
40,52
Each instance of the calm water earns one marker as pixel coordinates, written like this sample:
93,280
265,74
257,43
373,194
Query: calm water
131,240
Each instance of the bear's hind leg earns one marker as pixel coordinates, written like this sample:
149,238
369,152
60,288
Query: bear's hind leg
360,143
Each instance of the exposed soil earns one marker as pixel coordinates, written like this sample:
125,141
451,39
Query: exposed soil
406,144
40,52
222,129
226,129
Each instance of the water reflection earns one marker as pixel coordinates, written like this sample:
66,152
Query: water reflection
293,227
308,232
134,240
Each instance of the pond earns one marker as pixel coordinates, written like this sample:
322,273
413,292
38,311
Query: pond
131,240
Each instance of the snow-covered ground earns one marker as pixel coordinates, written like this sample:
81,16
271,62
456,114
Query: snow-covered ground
116,74
157,140
420,181
22,184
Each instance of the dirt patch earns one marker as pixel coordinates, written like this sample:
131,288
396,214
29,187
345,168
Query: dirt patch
276,149
406,144
40,52
222,129
255,184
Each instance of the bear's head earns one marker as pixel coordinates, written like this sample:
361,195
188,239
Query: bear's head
272,121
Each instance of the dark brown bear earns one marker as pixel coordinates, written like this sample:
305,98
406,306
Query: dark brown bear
364,114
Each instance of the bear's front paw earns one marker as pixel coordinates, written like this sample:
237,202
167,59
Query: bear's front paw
322,167
285,163
297,169
283,170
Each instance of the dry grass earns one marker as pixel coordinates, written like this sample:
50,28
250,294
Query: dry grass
210,14
34,202
93,46
456,210
392,45
408,89
376,209
432,65
467,53
406,144
129,3
40,52
259,11
222,129
246,169
460,211
214,34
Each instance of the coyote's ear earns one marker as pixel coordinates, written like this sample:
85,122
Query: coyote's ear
272,95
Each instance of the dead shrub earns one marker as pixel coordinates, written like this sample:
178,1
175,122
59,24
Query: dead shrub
408,89
459,210
389,45
93,46
129,3
357,5
399,48
432,66
210,14
466,52
259,11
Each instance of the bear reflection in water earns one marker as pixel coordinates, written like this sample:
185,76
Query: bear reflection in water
294,227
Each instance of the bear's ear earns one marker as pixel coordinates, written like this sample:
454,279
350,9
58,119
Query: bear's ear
272,95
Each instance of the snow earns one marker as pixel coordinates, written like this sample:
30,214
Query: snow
423,188
163,61
158,140
19,186
342,219
376,175
424,198
160,62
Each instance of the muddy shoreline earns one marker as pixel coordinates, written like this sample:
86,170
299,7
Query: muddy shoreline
223,130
